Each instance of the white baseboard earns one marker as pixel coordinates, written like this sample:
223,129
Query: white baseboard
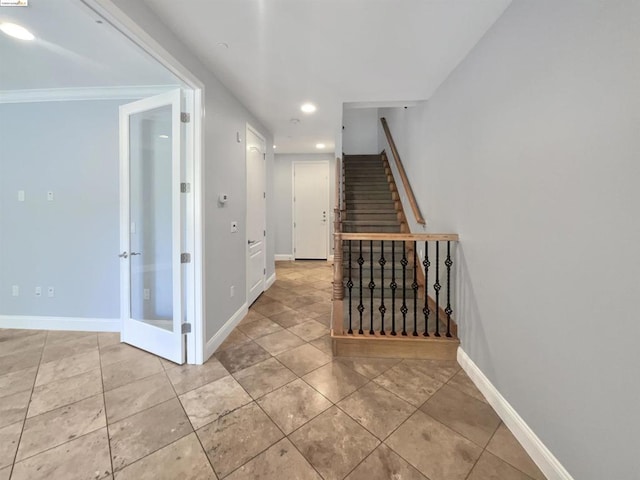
283,258
270,281
60,323
221,335
539,453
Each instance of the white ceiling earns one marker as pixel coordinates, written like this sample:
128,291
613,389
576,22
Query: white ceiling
282,53
71,50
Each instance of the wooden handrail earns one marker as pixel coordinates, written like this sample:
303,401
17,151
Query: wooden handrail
420,237
403,175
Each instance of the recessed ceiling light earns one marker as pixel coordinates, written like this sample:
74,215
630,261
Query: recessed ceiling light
320,146
308,107
274,146
16,31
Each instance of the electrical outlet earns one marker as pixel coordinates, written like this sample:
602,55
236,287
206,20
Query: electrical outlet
146,294
15,291
232,291
51,292
38,291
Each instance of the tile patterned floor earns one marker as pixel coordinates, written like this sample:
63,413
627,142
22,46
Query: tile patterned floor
271,404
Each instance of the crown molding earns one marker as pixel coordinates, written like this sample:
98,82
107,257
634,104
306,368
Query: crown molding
80,94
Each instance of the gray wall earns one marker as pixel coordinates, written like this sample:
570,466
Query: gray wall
360,133
283,206
70,243
529,150
224,171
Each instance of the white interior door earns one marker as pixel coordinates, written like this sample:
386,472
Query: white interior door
256,215
151,225
310,209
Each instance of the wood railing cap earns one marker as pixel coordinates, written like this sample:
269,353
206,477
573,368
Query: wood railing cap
452,237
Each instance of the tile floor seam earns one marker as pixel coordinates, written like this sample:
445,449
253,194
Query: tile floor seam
502,459
106,418
130,382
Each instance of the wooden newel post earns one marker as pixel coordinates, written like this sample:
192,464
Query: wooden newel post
338,287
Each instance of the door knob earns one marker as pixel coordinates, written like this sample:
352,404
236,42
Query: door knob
135,253
251,242
123,255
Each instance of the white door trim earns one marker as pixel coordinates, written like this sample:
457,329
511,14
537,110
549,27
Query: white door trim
255,131
293,207
195,275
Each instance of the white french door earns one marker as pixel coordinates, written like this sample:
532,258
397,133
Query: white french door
151,225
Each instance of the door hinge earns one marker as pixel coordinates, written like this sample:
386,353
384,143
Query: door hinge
264,271
186,328
185,187
264,233
264,156
264,194
185,117
185,258
294,224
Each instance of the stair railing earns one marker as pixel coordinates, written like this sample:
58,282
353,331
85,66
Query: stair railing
381,290
403,175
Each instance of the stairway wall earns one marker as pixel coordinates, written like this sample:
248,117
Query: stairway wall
529,151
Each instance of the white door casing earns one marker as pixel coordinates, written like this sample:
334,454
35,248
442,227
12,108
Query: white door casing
256,214
151,225
311,210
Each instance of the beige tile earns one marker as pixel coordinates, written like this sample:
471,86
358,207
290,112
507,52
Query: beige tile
304,359
61,425
147,431
505,446
9,437
251,316
21,343
309,330
333,443
376,409
414,387
120,352
299,302
188,377
335,381
469,417
289,318
242,356
437,451
19,361
271,308
10,333
264,377
323,344
441,370
280,462
490,467
63,392
115,375
67,367
462,382
232,440
280,342
63,336
213,400
136,396
235,338
5,473
86,457
259,328
19,381
56,351
108,338
369,367
13,408
385,464
293,405
183,459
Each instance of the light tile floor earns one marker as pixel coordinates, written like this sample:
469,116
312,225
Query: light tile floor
271,404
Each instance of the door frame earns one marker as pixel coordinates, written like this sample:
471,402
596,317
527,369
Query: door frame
194,148
249,128
293,205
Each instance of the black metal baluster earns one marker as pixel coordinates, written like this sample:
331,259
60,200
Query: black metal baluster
414,286
426,310
404,262
437,287
393,286
360,305
448,262
372,286
382,308
350,287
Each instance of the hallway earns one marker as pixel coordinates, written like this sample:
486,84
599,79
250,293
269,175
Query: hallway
271,404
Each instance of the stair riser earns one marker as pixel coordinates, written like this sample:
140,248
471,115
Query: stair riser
368,229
